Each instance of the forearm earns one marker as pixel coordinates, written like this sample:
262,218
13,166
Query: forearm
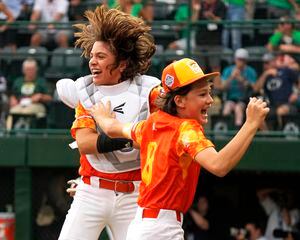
270,47
13,101
232,153
9,15
46,98
290,49
199,220
220,163
94,143
87,141
113,128
260,82
225,84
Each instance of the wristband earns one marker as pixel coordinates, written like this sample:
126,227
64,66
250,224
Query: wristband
106,144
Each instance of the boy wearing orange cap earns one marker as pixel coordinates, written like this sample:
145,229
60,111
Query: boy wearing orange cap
173,148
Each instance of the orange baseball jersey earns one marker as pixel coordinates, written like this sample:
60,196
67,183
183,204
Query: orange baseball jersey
169,172
84,120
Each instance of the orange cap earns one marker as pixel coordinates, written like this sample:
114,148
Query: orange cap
183,72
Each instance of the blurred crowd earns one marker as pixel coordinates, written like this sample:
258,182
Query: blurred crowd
36,49
272,214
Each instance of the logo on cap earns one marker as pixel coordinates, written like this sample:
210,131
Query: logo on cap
195,67
169,80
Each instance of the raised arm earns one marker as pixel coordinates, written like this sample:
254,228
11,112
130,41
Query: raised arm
220,163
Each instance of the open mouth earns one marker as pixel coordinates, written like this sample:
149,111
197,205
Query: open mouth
95,72
204,112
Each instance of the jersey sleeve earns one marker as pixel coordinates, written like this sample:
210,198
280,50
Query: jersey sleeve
152,98
137,132
191,139
82,120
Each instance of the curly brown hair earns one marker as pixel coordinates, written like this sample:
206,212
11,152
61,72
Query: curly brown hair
128,38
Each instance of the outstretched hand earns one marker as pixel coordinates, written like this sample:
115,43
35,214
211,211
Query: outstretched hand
256,111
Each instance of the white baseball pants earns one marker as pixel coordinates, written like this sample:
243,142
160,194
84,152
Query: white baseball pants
94,208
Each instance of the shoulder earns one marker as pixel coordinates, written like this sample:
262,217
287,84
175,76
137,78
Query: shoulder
190,131
250,69
276,34
190,124
83,80
18,81
41,80
287,70
228,69
146,80
147,83
296,33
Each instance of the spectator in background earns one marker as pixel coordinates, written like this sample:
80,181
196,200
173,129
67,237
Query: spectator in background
296,17
181,15
253,230
237,80
277,81
29,93
286,60
285,38
136,8
199,221
295,97
7,35
49,11
76,10
280,8
3,101
12,10
209,43
256,230
209,36
280,209
131,7
235,12
147,12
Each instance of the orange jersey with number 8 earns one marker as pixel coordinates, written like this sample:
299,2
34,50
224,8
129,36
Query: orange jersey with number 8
169,172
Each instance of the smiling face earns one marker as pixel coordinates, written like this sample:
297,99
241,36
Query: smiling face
196,102
101,65
30,70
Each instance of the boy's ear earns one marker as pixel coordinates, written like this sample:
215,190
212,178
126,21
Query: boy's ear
123,65
179,101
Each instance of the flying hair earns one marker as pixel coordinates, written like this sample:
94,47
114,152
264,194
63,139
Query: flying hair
128,38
